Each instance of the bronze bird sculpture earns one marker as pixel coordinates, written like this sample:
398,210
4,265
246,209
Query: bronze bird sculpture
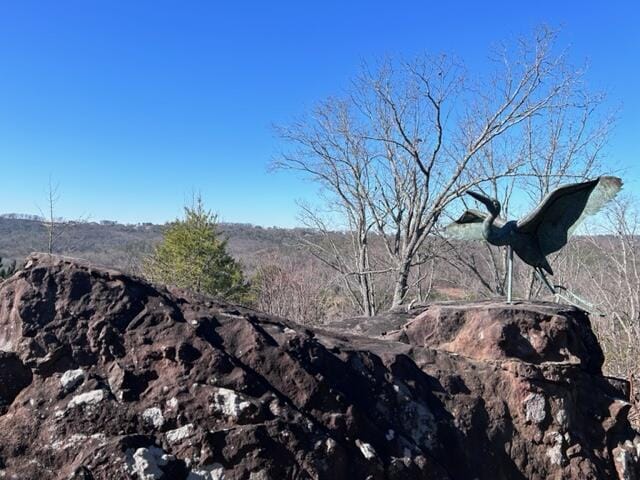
543,231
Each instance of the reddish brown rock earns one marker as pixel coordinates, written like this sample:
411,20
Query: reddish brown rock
534,333
104,376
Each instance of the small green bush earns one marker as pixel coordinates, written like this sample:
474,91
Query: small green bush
192,255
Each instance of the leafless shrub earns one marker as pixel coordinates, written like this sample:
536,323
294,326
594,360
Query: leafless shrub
604,268
295,288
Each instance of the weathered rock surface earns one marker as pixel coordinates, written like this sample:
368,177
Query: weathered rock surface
103,376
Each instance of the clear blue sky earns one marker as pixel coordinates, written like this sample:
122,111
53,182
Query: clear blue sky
132,105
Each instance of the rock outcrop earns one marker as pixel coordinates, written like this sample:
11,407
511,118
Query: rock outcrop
104,376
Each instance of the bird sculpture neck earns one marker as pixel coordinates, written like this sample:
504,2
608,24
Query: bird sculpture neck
487,226
493,234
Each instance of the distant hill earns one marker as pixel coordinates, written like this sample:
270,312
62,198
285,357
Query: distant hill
121,246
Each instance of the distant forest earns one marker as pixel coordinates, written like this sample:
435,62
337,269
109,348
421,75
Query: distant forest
121,246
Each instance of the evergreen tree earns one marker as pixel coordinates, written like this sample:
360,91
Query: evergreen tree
7,270
192,255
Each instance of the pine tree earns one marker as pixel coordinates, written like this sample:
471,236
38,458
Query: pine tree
7,270
192,255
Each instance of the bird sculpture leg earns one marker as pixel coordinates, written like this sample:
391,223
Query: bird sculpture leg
509,274
543,278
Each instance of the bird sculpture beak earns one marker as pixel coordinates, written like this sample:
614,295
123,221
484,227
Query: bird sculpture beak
481,198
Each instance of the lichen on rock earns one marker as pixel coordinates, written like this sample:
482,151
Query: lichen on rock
535,407
153,416
147,463
88,398
71,379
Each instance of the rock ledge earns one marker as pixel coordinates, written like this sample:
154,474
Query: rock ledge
105,376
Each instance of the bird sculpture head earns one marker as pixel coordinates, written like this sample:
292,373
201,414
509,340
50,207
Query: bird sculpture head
492,204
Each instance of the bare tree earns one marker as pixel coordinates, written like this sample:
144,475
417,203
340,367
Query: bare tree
57,230
334,153
606,271
410,137
564,146
293,288
53,226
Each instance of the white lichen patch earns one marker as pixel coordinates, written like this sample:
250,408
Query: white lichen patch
179,434
70,442
636,443
625,460
172,403
78,439
229,402
331,445
555,453
366,449
72,378
147,463
418,420
89,398
416,417
622,460
260,475
535,408
153,416
207,472
275,408
562,419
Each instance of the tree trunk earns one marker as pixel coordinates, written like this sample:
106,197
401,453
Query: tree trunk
368,304
364,278
401,284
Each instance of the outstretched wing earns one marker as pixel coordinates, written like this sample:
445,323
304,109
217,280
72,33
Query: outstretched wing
469,226
562,210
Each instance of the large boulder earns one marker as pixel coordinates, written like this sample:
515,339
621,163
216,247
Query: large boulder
538,333
105,376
